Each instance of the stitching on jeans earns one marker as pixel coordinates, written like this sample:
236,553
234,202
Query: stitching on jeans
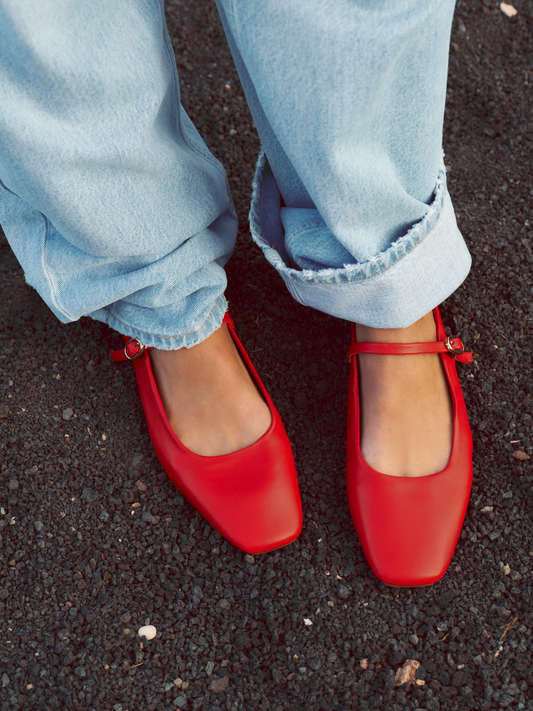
47,275
155,335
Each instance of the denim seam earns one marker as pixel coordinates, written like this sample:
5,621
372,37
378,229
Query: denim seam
47,275
302,228
156,335
296,278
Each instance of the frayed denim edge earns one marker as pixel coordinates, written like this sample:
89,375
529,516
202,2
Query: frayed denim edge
167,343
350,272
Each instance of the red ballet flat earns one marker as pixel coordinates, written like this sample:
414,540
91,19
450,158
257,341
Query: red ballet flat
409,526
250,496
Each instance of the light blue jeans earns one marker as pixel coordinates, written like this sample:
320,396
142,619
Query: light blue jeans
117,210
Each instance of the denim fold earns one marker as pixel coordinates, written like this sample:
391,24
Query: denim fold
117,210
389,290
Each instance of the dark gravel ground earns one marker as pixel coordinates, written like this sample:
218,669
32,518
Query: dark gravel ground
88,554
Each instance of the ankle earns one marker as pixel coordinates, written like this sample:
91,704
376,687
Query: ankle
422,330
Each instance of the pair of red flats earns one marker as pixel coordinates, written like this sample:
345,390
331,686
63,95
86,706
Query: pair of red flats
408,527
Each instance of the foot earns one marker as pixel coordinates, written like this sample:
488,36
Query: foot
212,403
406,424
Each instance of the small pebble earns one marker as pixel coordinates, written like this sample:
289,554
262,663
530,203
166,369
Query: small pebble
147,631
508,10
68,412
249,559
343,592
137,460
219,684
363,663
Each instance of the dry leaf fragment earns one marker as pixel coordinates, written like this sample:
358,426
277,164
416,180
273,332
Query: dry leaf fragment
508,10
507,627
521,456
406,674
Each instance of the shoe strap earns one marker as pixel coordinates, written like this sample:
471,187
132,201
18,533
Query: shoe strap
134,348
452,346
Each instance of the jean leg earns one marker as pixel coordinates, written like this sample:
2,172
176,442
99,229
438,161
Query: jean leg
109,197
348,99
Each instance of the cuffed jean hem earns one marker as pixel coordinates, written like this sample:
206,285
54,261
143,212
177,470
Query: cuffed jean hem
391,290
212,322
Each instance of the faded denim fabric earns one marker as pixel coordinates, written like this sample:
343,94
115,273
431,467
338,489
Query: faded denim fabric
109,197
351,206
117,210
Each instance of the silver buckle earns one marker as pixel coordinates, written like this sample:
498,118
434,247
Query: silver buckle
138,353
454,352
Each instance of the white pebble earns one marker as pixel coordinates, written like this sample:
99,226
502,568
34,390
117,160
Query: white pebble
148,631
508,10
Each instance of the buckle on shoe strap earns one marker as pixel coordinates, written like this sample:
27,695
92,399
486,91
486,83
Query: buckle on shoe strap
137,353
451,344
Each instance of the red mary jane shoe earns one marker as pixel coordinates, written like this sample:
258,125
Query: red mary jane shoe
409,526
250,496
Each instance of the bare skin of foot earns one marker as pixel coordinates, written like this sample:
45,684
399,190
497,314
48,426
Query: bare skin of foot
210,399
406,425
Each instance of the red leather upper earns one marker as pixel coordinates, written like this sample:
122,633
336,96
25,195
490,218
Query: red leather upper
409,526
250,496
